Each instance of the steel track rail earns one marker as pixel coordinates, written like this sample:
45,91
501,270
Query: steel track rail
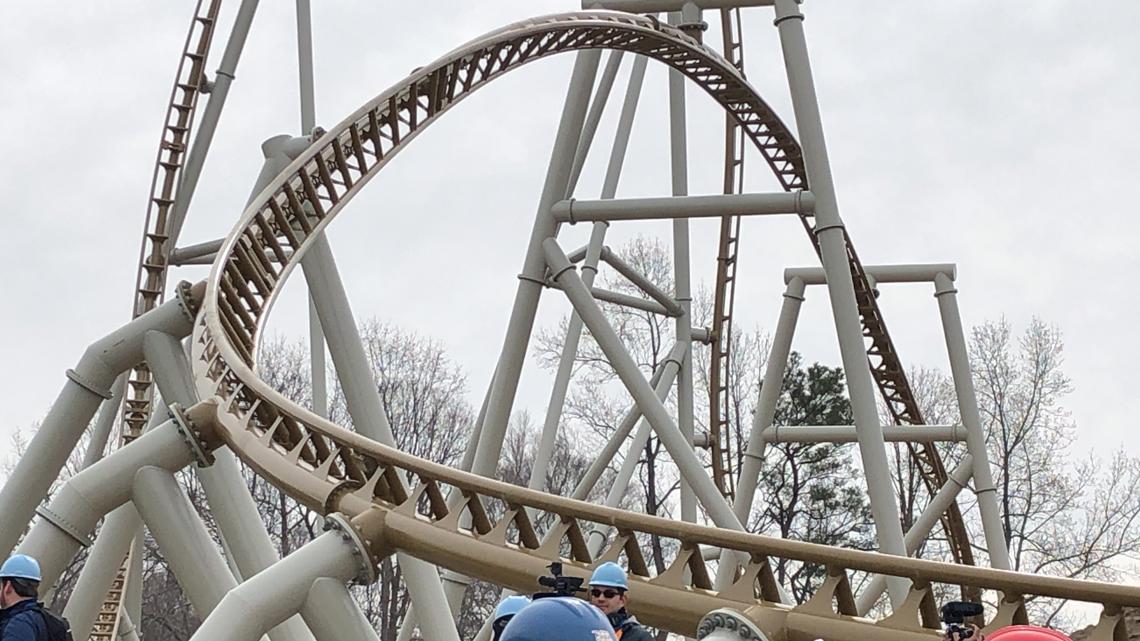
724,296
150,280
154,252
329,468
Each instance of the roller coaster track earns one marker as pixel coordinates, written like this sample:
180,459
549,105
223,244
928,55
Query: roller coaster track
331,469
720,401
154,253
150,282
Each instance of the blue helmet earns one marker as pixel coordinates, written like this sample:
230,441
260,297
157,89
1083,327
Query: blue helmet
610,574
21,566
510,606
560,618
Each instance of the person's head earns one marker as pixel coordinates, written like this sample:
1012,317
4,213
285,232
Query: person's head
559,618
1026,633
505,611
608,587
19,580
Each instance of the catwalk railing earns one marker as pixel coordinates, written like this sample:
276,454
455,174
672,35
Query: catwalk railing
331,469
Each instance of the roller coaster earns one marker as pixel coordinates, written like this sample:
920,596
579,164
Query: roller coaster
379,501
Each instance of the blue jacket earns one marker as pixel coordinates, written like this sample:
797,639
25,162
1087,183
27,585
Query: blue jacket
23,622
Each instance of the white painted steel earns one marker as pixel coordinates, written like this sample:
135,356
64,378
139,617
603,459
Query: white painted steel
521,322
103,563
833,246
101,432
621,482
243,534
87,386
88,496
847,433
182,538
657,6
208,125
264,601
879,273
367,412
921,529
960,370
331,610
654,410
679,174
576,211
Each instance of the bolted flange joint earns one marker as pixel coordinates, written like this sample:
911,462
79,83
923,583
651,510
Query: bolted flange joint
196,425
728,625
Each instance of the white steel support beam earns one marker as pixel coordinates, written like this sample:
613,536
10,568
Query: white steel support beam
674,307
662,381
595,250
88,385
242,532
830,233
264,601
984,488
101,433
594,117
531,280
103,563
878,273
223,78
718,206
657,6
847,433
765,413
308,124
620,484
651,406
331,609
673,310
85,498
367,412
182,537
679,173
921,529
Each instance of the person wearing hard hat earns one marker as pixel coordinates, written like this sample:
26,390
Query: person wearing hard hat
505,611
608,592
22,617
559,618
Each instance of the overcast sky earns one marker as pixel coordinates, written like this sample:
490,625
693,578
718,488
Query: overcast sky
998,136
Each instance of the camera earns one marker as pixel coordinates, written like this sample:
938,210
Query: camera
955,613
559,585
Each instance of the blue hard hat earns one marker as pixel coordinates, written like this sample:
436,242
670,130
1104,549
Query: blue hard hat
611,575
21,566
560,618
510,606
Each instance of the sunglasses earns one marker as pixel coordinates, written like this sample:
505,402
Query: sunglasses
609,594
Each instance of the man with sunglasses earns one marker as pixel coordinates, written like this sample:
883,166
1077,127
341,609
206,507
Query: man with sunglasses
608,592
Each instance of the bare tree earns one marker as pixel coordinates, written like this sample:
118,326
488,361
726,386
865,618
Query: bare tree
1065,518
596,402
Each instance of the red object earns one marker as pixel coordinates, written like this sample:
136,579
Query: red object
1026,633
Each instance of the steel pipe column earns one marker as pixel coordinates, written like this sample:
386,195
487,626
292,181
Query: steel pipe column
88,385
103,563
832,240
509,367
921,528
264,601
679,171
680,448
79,504
984,488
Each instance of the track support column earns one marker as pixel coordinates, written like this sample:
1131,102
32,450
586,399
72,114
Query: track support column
833,243
984,488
